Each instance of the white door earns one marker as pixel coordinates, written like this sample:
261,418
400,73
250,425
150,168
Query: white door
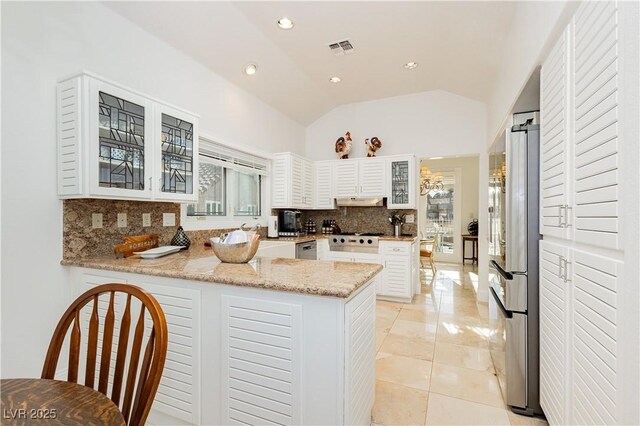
554,156
323,194
345,173
396,277
554,332
308,187
443,222
297,183
120,133
596,114
175,155
371,176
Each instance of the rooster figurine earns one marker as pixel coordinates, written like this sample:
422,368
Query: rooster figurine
343,146
372,146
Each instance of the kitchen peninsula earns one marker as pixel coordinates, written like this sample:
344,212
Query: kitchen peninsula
276,340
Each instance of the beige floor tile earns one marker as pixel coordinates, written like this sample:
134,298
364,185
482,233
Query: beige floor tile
445,410
463,356
418,315
380,336
458,309
401,370
467,384
399,405
466,335
518,420
408,346
385,305
426,331
384,322
459,319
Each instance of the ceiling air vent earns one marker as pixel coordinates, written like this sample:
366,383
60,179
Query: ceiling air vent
340,48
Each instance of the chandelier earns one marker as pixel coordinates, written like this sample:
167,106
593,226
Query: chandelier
428,182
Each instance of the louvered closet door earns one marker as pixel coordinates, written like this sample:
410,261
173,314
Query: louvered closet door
297,182
596,125
595,339
554,333
372,177
553,146
178,394
279,186
261,351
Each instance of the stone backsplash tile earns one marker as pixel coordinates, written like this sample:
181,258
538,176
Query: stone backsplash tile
361,219
81,241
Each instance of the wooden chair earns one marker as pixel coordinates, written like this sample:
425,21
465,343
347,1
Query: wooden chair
427,253
135,403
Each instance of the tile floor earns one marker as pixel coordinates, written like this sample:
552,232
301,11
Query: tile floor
433,364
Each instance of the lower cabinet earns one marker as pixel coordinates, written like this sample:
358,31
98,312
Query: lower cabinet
252,356
399,270
579,336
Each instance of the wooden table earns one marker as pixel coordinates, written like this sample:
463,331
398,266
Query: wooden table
52,402
474,250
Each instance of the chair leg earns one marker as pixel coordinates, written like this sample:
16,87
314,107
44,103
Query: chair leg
433,265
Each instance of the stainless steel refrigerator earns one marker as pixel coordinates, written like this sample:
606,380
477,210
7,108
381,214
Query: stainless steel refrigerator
513,266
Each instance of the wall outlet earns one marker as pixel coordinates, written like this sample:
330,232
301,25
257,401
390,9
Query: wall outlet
410,218
146,220
122,220
96,220
168,219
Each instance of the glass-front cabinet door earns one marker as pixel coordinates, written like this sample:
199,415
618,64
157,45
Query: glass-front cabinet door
401,186
120,130
177,146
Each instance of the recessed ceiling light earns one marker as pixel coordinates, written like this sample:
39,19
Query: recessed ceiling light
410,65
285,23
250,69
335,79
436,158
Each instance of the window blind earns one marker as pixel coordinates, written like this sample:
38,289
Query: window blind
232,158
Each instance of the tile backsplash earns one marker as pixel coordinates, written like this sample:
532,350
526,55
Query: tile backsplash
80,240
360,219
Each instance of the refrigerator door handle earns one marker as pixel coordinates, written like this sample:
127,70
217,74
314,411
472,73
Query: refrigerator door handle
506,275
505,313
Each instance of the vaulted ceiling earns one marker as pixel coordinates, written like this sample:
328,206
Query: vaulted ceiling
459,47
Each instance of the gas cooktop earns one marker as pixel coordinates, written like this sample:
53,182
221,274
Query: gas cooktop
356,242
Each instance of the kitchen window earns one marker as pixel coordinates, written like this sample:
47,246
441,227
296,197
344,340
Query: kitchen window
231,189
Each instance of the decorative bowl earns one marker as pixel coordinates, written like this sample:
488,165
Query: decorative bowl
237,253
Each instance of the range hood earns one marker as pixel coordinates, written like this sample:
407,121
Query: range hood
360,202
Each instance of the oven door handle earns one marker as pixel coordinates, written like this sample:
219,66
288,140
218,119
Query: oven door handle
505,313
506,275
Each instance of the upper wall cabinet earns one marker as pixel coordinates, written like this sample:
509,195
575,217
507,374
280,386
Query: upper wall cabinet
116,143
293,183
323,194
362,177
401,183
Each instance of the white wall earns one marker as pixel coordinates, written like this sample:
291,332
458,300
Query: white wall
40,43
534,26
427,124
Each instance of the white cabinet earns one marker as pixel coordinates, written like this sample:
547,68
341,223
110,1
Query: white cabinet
292,182
397,276
401,182
588,332
338,256
284,249
362,177
323,194
554,332
554,137
116,143
323,248
372,177
345,175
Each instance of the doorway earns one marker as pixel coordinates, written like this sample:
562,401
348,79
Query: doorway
448,202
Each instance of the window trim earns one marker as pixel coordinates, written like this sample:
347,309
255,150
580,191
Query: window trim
195,223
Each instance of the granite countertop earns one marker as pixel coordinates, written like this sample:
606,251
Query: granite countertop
305,238
323,278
